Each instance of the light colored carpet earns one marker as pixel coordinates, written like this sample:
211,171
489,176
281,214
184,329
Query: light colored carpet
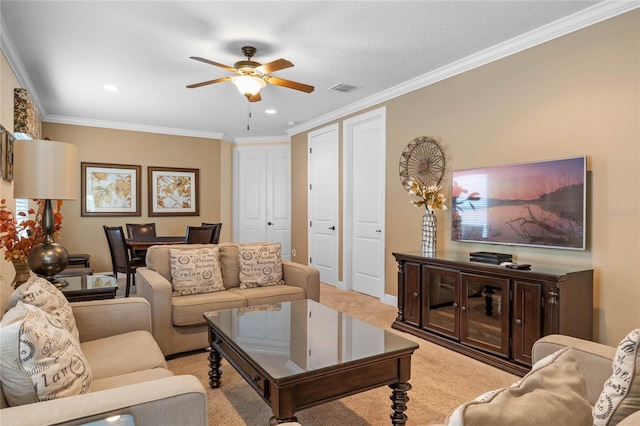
441,380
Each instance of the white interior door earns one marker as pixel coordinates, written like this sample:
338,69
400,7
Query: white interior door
279,199
262,196
364,176
251,192
323,166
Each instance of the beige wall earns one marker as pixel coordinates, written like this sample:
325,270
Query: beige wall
85,234
577,95
8,82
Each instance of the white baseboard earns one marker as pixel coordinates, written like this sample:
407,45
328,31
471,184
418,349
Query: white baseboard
390,300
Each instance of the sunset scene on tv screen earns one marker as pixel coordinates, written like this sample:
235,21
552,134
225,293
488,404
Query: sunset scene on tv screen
538,204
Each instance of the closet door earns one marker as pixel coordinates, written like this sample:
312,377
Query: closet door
262,200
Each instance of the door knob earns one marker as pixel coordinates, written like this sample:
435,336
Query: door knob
269,223
518,321
333,228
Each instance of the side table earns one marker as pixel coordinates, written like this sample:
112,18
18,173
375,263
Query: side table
89,287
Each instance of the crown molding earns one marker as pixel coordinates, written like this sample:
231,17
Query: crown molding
579,20
134,127
17,66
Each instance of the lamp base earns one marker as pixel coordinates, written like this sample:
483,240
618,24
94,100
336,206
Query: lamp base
48,259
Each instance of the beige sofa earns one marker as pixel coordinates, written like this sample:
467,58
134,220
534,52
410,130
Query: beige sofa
594,361
178,323
130,375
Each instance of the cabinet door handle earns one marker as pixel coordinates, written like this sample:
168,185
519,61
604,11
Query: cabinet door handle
455,305
464,308
269,223
518,321
415,294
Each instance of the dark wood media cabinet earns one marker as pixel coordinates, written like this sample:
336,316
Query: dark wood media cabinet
489,312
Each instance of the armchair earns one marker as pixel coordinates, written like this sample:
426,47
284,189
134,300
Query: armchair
130,375
573,381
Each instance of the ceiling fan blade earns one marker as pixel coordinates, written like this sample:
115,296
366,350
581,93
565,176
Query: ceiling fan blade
204,83
255,98
278,64
207,61
289,84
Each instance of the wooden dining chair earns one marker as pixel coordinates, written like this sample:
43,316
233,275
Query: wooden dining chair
121,261
199,234
217,227
140,230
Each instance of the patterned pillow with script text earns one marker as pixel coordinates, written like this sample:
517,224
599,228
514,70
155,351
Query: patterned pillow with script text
39,359
260,265
37,291
195,270
621,394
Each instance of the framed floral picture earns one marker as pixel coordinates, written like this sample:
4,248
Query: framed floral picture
3,151
173,191
7,155
110,189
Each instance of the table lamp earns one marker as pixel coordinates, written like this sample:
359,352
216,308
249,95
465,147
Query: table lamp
46,170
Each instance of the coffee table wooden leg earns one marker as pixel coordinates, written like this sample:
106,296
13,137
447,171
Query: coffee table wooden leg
214,368
275,421
399,398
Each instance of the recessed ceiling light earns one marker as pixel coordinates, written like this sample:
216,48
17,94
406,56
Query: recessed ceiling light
270,111
111,87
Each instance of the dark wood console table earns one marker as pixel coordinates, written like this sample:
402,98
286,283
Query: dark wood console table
489,312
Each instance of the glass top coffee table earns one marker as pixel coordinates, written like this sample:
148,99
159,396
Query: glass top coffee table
89,287
300,354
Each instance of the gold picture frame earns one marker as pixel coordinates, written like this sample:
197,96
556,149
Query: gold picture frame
6,153
110,189
3,152
173,191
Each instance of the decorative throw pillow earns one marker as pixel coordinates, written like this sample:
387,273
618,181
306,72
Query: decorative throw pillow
260,265
195,270
553,392
37,291
39,358
621,394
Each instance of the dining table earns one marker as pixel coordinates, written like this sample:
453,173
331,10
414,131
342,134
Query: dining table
146,242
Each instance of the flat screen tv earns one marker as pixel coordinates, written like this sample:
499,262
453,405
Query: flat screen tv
539,204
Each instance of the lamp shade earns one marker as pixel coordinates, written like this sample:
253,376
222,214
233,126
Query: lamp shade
248,85
45,170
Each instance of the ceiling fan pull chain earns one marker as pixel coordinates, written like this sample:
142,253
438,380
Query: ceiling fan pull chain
249,115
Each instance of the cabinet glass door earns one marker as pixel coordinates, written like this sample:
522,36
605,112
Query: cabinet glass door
484,313
440,300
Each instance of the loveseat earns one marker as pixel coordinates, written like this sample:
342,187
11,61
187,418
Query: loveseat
178,323
129,372
572,382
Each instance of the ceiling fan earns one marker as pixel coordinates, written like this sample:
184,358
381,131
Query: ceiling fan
251,76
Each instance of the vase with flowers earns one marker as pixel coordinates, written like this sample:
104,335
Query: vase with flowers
430,197
20,232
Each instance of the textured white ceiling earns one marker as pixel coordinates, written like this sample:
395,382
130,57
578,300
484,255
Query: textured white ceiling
66,51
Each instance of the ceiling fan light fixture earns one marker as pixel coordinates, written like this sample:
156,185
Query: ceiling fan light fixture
248,85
